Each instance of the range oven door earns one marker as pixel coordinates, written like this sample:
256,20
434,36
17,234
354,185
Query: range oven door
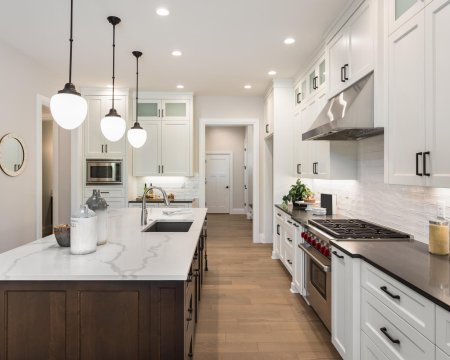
318,283
106,172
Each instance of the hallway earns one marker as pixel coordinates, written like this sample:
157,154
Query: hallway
246,310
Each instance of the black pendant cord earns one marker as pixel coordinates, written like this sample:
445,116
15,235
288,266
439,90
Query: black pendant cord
137,87
71,41
114,62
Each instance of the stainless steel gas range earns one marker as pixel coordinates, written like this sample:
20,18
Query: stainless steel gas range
317,248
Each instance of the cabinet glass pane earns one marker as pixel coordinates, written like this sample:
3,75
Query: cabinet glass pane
311,81
402,6
148,109
175,109
322,72
304,90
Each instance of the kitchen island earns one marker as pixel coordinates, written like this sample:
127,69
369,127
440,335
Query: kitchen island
134,298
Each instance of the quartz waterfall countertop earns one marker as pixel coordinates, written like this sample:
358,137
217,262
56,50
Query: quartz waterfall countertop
129,254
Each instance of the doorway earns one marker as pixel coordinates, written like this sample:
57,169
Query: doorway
47,171
219,168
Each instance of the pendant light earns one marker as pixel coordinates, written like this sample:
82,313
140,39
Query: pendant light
68,108
137,136
112,125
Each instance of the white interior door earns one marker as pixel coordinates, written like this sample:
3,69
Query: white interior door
218,183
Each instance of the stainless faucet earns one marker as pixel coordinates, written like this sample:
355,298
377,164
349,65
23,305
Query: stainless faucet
144,203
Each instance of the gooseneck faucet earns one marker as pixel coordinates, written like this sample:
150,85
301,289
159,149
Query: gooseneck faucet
144,203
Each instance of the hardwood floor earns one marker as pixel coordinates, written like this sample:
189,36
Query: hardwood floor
246,310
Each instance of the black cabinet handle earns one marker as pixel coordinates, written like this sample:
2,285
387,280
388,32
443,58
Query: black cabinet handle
289,222
425,163
417,164
159,112
278,214
159,169
299,168
289,239
317,167
191,355
314,168
278,229
290,262
162,113
267,128
384,288
342,74
102,147
385,332
162,169
190,314
298,98
315,86
296,225
106,148
337,255
345,72
104,192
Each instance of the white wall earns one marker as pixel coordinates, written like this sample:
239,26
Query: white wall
406,208
22,79
230,138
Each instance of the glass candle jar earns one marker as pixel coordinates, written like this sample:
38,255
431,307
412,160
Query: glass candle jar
438,237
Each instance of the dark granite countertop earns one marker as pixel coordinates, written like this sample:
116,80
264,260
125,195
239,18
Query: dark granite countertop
302,216
161,201
406,261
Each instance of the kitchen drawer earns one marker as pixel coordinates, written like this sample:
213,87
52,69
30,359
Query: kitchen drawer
443,329
106,192
377,317
288,258
289,238
416,310
281,215
369,351
189,343
440,355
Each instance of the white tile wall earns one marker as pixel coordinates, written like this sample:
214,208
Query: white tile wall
407,208
182,187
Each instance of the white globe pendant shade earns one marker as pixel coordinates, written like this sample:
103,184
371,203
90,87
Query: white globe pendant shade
113,126
68,110
137,136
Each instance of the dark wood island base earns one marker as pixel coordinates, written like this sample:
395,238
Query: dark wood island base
101,319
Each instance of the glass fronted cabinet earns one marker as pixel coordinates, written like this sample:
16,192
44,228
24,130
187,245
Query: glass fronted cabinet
149,109
175,109
402,10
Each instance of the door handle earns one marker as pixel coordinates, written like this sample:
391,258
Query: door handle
299,168
417,163
425,163
345,72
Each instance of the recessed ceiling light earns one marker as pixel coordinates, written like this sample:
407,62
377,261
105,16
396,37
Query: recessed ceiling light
289,41
180,86
272,72
247,86
177,53
162,12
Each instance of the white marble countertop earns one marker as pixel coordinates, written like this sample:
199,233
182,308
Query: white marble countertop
129,254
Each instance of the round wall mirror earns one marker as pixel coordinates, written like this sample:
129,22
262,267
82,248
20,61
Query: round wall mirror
12,155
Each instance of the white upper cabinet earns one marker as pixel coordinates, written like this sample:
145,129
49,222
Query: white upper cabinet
269,114
95,144
437,89
351,52
407,103
401,11
418,88
167,118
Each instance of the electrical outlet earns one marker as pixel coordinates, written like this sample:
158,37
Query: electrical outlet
441,209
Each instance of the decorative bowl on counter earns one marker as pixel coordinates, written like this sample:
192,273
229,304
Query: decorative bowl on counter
62,235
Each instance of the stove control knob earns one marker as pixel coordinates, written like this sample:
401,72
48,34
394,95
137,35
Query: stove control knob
318,246
312,242
327,252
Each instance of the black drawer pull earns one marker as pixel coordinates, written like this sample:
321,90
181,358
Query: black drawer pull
289,222
384,288
190,315
189,279
289,239
191,355
279,214
290,262
384,331
417,164
345,72
337,255
342,74
425,163
278,229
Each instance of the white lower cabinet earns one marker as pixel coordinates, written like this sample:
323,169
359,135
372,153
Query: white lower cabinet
394,336
299,262
344,300
443,329
369,351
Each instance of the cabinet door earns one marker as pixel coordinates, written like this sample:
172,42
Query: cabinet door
361,37
322,69
175,110
147,159
269,115
369,351
401,11
313,79
338,58
321,148
299,264
297,145
176,148
116,149
406,108
149,109
307,146
437,90
94,141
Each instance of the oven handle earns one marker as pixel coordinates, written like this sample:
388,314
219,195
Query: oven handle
325,268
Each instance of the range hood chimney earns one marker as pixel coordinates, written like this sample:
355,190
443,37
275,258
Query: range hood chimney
347,116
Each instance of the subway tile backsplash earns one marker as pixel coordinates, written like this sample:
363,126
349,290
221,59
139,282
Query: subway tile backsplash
406,208
182,187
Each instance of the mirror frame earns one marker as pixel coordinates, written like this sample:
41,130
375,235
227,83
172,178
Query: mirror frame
21,142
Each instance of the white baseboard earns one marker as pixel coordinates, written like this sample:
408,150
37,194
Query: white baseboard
293,288
237,211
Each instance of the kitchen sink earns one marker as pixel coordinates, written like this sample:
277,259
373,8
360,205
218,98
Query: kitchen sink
169,226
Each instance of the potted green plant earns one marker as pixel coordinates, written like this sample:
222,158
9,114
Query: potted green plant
297,192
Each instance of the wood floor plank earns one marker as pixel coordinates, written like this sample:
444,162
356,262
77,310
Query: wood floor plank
247,311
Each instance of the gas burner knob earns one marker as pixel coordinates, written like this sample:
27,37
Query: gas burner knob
318,246
312,242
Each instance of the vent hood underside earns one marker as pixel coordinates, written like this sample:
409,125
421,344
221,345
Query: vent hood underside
347,116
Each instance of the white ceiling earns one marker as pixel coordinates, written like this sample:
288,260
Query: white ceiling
226,44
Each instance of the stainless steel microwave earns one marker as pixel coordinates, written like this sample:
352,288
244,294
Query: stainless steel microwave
104,171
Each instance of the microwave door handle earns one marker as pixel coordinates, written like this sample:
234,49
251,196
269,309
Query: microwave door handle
324,267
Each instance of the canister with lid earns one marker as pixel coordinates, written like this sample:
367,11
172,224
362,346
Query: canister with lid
99,205
438,236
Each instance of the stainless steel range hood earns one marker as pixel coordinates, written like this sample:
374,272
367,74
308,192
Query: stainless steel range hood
347,116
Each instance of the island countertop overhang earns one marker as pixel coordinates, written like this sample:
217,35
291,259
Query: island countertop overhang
129,254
